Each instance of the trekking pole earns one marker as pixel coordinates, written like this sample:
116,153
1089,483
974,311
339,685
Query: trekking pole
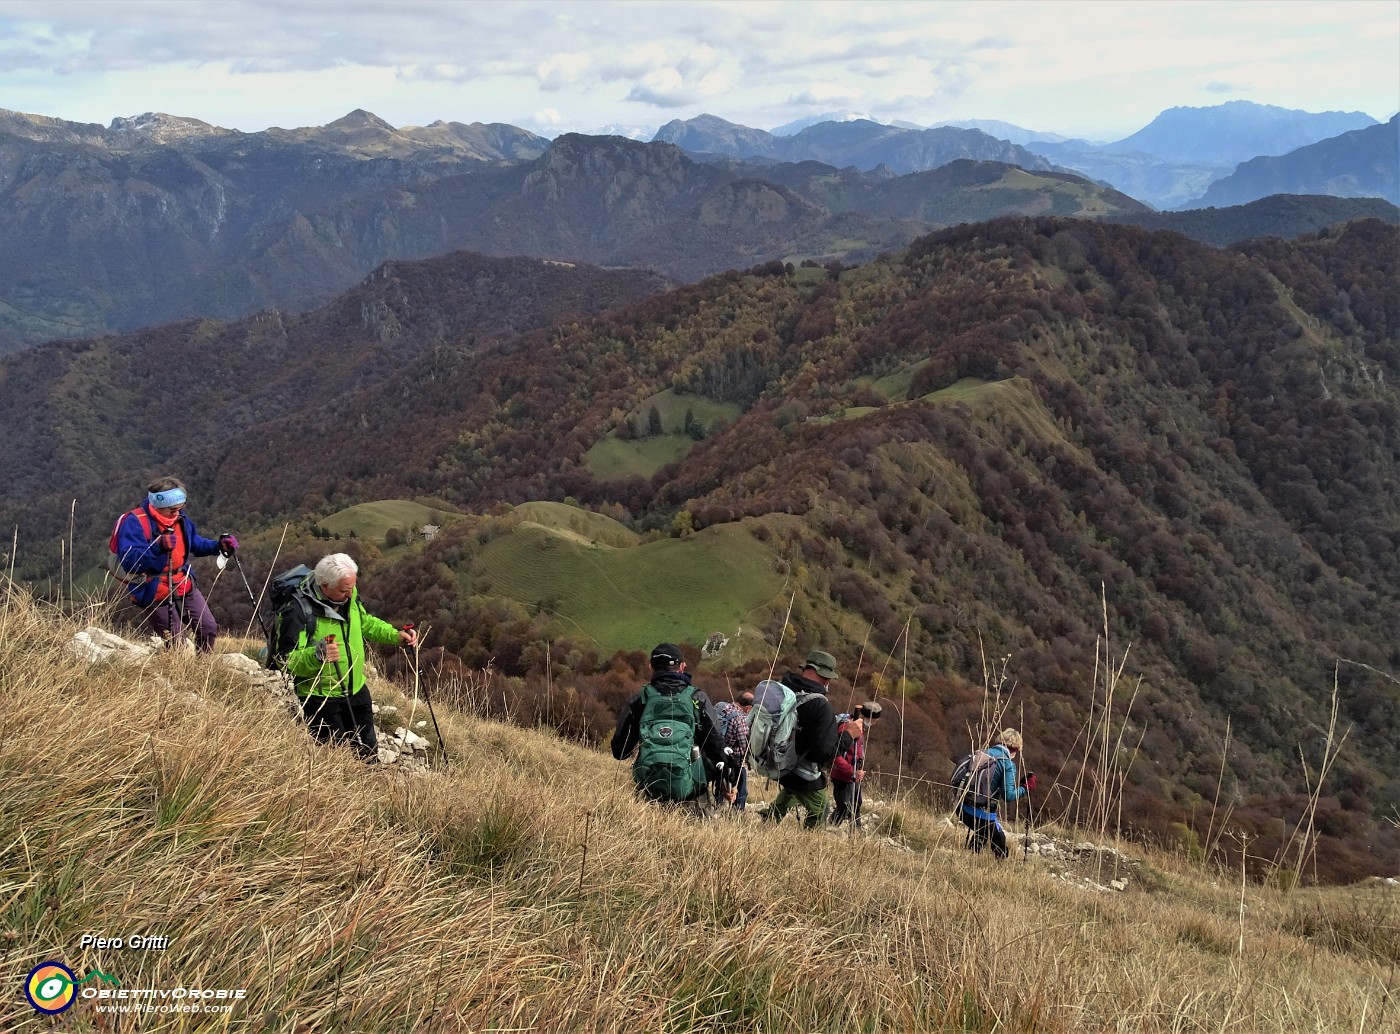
858,795
340,677
251,598
170,592
743,758
1025,774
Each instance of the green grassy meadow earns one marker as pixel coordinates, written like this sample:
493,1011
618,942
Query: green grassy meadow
371,521
615,459
629,598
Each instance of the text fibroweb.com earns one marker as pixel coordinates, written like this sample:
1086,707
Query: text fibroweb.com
157,1000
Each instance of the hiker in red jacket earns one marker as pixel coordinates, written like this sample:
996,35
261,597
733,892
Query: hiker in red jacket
848,768
152,547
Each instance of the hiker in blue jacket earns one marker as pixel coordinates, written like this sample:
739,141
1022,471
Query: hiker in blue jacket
152,546
994,781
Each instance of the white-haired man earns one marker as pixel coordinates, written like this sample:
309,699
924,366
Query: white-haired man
328,661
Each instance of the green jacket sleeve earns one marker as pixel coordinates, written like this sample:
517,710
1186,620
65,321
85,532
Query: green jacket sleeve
302,661
376,630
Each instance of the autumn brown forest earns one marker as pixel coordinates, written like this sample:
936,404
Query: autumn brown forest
972,454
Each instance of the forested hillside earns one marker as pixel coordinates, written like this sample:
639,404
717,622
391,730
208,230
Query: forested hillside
163,218
980,453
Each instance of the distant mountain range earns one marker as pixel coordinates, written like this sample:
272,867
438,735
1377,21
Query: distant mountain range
1169,163
1359,163
859,142
1230,133
160,218
157,217
1173,160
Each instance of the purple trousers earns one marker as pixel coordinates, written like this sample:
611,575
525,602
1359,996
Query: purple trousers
190,611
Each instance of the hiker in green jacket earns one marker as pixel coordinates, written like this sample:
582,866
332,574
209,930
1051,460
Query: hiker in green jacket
328,662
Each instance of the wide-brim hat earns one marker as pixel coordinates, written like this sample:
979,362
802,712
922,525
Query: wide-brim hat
822,663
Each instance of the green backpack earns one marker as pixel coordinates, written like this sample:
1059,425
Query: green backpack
668,767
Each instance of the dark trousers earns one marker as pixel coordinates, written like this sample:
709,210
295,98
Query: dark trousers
741,796
845,796
189,611
982,830
340,720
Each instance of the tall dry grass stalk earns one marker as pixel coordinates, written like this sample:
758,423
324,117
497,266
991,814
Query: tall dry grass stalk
1095,801
1215,828
1302,841
526,889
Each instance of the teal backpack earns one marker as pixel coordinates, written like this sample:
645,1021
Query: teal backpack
668,767
773,733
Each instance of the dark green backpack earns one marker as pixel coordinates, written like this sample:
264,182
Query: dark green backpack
292,613
668,767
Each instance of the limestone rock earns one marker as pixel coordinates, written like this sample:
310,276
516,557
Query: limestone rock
95,645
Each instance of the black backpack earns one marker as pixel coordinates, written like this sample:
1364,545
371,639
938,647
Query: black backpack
292,614
974,780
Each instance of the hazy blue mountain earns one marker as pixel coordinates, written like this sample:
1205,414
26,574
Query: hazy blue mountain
1002,130
710,134
797,125
860,142
1173,160
1158,182
1361,163
867,145
1230,133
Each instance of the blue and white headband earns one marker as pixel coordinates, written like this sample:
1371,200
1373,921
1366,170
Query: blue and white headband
164,500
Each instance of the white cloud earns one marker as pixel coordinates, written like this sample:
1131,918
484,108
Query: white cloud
1068,66
562,70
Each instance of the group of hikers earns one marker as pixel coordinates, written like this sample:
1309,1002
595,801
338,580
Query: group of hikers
688,751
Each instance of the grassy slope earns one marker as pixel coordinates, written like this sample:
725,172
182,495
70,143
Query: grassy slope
613,459
678,589
527,890
372,520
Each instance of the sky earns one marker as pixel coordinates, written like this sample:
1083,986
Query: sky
1100,70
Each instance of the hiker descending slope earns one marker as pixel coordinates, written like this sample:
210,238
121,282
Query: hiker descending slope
848,768
328,661
987,778
802,778
150,552
672,727
732,784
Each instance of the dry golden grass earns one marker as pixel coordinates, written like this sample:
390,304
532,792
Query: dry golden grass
522,888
